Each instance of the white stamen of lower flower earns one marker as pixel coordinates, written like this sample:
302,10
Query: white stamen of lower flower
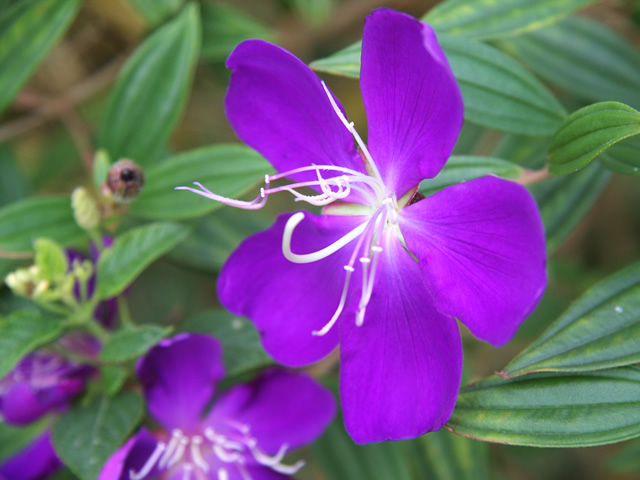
173,444
223,474
290,226
227,457
177,456
274,462
149,464
187,470
196,454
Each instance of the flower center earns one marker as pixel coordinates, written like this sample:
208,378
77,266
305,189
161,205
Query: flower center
196,455
381,210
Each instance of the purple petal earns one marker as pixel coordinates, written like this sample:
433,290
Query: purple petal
277,105
131,456
481,248
36,461
279,407
288,301
23,403
400,371
179,376
413,103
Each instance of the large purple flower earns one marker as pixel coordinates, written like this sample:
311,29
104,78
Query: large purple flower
383,271
245,435
34,462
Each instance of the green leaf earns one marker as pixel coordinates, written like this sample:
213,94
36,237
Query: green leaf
22,332
490,19
131,342
452,457
24,221
583,57
623,157
316,12
547,410
224,27
131,253
228,170
28,30
112,379
151,90
241,347
461,168
217,235
600,330
627,459
86,437
13,184
50,258
588,132
340,458
13,439
498,92
565,200
156,11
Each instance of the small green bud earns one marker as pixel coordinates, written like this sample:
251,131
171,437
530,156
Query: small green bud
85,209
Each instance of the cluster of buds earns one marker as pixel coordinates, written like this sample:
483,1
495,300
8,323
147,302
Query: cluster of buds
53,278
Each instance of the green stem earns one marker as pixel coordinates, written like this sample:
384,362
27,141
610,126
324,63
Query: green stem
97,239
123,311
98,330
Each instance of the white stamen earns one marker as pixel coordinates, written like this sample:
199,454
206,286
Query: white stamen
184,441
196,454
273,462
223,474
293,222
353,132
187,469
227,457
149,464
173,443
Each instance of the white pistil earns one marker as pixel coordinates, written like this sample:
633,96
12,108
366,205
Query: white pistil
255,204
290,226
149,464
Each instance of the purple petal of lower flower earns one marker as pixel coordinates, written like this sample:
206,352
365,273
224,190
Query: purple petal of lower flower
131,456
178,376
281,407
36,461
414,106
277,105
288,301
481,248
24,403
400,371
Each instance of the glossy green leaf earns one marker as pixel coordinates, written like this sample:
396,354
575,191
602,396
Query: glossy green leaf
495,19
156,11
224,27
50,258
151,90
588,132
583,57
132,342
13,439
22,332
85,437
13,184
228,170
112,378
217,235
461,168
241,347
529,152
131,253
564,201
600,330
340,458
623,157
547,410
451,457
498,92
28,30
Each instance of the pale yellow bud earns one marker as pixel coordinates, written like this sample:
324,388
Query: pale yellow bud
85,209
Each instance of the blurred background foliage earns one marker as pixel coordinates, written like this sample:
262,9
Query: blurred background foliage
51,128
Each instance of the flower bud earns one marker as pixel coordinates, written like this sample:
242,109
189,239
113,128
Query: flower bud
125,180
85,209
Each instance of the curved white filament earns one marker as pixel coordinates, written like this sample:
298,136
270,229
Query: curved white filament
290,226
150,463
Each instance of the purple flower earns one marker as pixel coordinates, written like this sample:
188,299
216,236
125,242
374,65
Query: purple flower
244,436
383,271
34,462
44,381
